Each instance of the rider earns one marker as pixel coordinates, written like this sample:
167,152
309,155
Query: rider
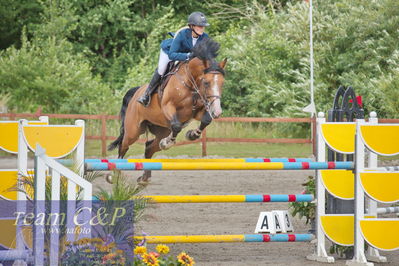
177,49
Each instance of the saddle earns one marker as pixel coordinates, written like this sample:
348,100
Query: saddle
171,69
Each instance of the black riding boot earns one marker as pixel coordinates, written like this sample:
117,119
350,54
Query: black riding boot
146,97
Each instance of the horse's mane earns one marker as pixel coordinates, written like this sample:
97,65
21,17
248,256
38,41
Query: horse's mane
207,50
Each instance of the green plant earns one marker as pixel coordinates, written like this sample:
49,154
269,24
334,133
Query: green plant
123,190
306,209
342,251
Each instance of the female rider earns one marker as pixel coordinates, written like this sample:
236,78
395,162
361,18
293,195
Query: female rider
177,49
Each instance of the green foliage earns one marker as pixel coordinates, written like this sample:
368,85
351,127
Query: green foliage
109,46
267,69
45,72
342,251
356,44
14,16
306,209
124,191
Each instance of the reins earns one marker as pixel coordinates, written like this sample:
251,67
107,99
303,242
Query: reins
196,88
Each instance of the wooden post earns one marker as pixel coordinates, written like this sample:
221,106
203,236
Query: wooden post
203,142
103,136
38,112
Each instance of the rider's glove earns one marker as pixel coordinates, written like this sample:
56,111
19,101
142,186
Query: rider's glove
190,56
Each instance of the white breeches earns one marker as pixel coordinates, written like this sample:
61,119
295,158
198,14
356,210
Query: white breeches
163,62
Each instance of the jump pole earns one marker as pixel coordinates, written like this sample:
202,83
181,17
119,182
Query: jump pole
69,162
230,198
226,238
218,166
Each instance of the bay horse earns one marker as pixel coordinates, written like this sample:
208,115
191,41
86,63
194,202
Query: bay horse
193,92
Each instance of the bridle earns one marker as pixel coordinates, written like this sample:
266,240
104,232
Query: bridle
196,89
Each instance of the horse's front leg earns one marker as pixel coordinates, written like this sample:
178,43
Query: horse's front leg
194,134
175,125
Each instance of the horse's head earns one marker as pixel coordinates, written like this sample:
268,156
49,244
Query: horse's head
209,75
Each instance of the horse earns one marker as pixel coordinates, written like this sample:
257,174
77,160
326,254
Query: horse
193,92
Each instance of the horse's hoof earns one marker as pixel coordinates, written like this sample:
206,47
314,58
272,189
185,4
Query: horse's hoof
164,144
192,135
143,180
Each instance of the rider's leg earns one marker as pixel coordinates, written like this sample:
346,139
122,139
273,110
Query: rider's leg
156,78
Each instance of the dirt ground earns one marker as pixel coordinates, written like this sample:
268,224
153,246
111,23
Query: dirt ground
225,218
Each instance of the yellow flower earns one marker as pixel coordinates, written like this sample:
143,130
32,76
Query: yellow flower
150,260
162,249
97,240
87,250
111,245
84,241
119,251
185,259
140,250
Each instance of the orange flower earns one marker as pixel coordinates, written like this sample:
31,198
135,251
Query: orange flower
185,259
156,255
150,260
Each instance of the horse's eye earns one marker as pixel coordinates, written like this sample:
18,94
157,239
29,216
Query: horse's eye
206,83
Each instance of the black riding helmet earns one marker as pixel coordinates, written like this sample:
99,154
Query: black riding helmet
197,19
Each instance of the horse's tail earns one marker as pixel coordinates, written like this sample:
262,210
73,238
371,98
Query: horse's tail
126,99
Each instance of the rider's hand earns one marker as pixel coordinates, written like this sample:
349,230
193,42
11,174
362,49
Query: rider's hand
190,56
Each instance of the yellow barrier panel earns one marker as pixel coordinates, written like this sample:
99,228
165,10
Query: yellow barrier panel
339,228
339,183
339,136
381,233
9,135
58,141
9,232
381,139
8,181
381,186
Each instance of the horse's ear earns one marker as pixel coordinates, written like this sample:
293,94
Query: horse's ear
223,63
206,63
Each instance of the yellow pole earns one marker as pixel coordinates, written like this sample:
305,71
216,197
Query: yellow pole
222,166
192,239
196,198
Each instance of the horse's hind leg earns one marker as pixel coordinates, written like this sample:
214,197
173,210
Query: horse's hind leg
152,146
131,136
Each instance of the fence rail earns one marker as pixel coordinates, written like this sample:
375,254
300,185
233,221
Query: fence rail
204,139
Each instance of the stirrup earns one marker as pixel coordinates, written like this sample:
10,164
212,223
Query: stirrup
144,100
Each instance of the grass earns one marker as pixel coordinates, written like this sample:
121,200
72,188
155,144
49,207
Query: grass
224,130
233,150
